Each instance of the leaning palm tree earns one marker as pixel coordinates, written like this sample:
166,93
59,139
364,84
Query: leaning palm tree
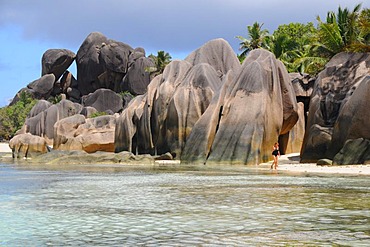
257,39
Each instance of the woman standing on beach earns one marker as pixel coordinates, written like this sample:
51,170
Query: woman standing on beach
275,153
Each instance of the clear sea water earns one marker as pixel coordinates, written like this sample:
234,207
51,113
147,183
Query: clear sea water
179,206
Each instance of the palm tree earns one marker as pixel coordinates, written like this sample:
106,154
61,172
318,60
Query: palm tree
161,60
257,39
339,32
364,32
305,61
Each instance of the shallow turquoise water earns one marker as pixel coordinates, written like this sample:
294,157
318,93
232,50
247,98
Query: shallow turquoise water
193,206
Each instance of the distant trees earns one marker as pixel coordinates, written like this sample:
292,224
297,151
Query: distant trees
306,48
12,117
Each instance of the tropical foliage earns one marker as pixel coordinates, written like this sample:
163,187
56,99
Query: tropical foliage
12,117
160,60
305,48
257,39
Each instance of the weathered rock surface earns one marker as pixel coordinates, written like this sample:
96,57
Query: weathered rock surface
43,123
103,100
27,145
303,84
105,63
160,93
353,119
56,62
90,135
137,78
253,108
43,87
216,53
39,107
174,101
292,141
188,104
126,138
69,87
87,111
354,151
331,120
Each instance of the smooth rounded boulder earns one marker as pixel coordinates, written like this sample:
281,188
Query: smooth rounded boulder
42,87
101,63
103,100
27,145
56,62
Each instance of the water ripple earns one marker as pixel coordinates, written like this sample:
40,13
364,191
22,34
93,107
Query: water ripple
181,208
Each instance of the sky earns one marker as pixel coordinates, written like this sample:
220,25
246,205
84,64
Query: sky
30,27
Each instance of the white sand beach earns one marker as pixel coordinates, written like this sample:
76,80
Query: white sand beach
290,163
4,147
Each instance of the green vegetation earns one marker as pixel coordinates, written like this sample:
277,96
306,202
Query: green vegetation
98,114
12,117
161,60
55,99
305,48
257,39
126,93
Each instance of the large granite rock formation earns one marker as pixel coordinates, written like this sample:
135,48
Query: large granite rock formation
105,63
208,107
43,123
338,110
90,135
163,118
254,107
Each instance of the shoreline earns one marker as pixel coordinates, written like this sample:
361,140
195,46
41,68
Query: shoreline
287,164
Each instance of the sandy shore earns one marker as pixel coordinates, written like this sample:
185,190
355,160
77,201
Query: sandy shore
4,148
290,163
287,163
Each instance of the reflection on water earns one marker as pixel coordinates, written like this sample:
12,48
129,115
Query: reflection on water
128,206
